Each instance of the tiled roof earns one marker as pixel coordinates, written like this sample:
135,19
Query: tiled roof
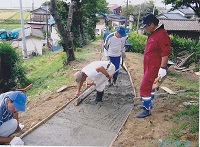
181,24
187,11
171,16
115,17
114,7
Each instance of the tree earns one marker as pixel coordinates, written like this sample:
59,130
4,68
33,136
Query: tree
144,8
65,30
82,20
194,4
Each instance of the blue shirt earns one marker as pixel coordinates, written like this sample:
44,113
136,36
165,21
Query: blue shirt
5,115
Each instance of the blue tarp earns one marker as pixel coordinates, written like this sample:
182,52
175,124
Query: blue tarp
3,34
14,33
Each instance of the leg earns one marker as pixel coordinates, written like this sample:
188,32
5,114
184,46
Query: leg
146,104
99,96
8,127
147,96
116,62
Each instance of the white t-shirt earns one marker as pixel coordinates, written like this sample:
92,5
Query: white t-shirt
114,46
90,69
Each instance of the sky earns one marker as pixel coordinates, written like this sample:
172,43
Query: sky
135,2
37,3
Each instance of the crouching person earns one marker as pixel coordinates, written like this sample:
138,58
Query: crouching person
10,103
100,72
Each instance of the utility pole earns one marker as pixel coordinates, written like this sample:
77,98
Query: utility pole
47,23
23,32
138,19
126,21
154,7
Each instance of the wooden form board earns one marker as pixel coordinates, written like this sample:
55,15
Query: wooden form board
168,90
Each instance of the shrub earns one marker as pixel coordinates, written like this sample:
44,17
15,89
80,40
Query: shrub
11,71
179,45
138,42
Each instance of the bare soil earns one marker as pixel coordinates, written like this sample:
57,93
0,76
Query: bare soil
136,132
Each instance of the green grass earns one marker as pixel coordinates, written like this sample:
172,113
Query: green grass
9,15
47,72
9,26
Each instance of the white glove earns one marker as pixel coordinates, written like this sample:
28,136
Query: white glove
107,58
21,126
123,55
16,141
162,72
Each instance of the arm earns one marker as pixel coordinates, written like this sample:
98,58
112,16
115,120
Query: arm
15,116
104,71
79,89
164,61
6,139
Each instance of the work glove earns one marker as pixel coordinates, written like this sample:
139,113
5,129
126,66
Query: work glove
123,55
16,141
21,126
162,72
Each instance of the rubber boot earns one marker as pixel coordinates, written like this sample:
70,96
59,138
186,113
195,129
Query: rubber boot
152,98
98,98
144,113
146,105
109,83
114,80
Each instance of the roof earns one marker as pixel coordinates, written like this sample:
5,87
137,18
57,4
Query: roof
180,24
115,17
171,16
187,11
114,7
41,10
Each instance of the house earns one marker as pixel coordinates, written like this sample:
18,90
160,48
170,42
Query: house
171,16
100,25
115,9
185,12
39,19
186,28
116,20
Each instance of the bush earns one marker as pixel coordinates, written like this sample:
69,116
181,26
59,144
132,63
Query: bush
188,46
178,45
138,42
11,71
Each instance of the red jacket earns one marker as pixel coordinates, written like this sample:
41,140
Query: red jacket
157,46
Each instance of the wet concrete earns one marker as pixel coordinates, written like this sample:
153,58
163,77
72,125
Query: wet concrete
88,124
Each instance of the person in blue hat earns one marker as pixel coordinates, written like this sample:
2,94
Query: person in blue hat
10,103
114,49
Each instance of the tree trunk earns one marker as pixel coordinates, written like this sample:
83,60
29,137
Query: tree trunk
65,32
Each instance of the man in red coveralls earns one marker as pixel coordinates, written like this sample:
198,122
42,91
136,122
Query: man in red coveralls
156,55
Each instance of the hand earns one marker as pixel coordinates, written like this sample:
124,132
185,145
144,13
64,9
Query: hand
109,77
107,58
162,72
77,93
16,141
21,126
90,84
123,55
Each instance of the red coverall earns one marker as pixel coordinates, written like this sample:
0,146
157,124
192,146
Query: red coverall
157,46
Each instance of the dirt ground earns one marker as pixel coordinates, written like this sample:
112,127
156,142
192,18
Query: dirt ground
135,132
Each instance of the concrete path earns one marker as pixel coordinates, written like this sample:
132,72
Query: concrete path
87,124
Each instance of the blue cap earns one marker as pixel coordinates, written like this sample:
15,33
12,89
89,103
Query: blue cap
147,19
121,31
19,100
